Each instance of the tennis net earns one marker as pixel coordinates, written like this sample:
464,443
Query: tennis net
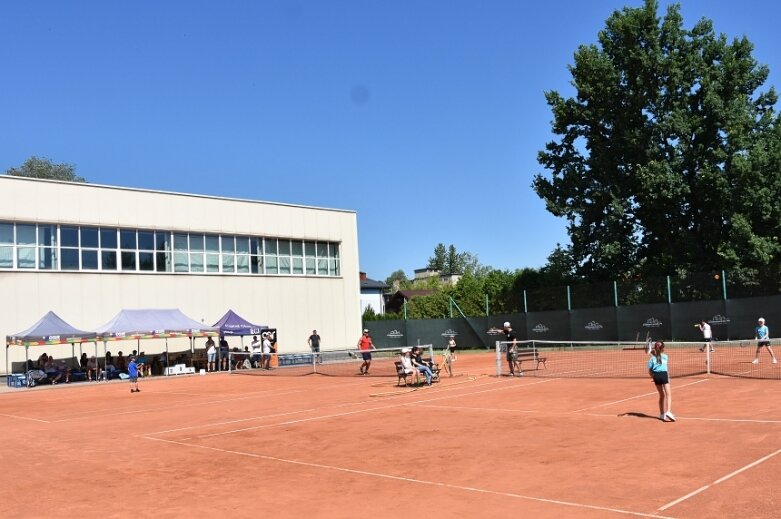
610,359
335,363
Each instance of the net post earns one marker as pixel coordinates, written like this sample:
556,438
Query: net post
707,358
498,358
314,362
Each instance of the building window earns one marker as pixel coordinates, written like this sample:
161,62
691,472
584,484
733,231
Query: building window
108,249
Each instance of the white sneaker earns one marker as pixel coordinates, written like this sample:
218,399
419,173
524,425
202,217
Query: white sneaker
775,361
661,417
670,416
755,361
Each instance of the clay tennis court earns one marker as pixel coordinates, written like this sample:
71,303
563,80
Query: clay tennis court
470,446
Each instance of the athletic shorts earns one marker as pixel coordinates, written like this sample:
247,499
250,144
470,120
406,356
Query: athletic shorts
708,339
133,379
763,343
511,356
366,355
211,356
661,378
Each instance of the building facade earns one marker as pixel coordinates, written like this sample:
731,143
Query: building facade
86,251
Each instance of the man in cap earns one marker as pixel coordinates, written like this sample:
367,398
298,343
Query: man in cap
365,344
512,349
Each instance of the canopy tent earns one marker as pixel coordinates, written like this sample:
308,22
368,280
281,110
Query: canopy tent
153,324
50,329
233,324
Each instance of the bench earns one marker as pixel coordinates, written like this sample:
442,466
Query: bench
530,355
415,375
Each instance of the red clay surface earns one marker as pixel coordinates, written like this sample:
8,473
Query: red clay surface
470,446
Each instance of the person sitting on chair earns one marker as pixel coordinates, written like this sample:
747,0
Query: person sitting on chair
421,366
406,363
93,369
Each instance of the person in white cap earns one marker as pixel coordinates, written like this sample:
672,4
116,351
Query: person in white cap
406,363
512,349
762,335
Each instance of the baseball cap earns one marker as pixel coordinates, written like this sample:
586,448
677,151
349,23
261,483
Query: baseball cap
506,324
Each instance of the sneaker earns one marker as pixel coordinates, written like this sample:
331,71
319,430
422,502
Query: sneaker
755,361
670,416
775,361
511,374
661,417
132,390
702,349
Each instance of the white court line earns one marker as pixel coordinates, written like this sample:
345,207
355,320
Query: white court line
377,408
25,418
720,480
414,480
203,426
636,396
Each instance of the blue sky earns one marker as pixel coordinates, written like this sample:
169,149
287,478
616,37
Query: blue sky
424,117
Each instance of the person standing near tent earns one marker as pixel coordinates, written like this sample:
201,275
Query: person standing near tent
257,352
266,360
224,351
211,354
132,371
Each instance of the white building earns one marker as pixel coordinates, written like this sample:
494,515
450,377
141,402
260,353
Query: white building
372,294
87,251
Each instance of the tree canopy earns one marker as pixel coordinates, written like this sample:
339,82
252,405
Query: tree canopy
667,159
36,167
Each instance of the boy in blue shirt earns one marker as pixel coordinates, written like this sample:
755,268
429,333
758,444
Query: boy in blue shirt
132,371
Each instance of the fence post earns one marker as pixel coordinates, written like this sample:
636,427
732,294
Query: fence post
404,306
525,308
724,284
615,294
569,300
486,306
669,291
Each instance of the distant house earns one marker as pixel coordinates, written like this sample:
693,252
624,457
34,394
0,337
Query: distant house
372,294
395,302
426,273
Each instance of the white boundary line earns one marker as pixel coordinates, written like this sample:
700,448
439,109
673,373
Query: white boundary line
25,418
720,480
413,480
204,426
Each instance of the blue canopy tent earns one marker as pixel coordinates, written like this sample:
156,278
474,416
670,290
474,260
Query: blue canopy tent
50,329
233,324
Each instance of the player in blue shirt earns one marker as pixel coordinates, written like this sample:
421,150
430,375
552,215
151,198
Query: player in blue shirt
762,334
657,368
132,371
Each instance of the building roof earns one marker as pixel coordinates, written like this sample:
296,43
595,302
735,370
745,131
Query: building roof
371,283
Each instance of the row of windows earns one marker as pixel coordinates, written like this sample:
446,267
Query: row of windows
60,247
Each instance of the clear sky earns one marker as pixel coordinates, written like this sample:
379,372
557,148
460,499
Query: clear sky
423,116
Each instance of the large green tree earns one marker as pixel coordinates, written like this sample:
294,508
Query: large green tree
36,167
668,157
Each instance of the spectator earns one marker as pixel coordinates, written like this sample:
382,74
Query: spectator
257,352
211,355
144,368
93,369
421,366
52,371
83,362
266,360
163,361
120,362
64,371
111,370
224,349
42,360
406,363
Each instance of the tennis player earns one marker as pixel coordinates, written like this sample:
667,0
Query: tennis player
707,335
657,368
512,349
132,371
762,334
451,345
365,344
447,360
